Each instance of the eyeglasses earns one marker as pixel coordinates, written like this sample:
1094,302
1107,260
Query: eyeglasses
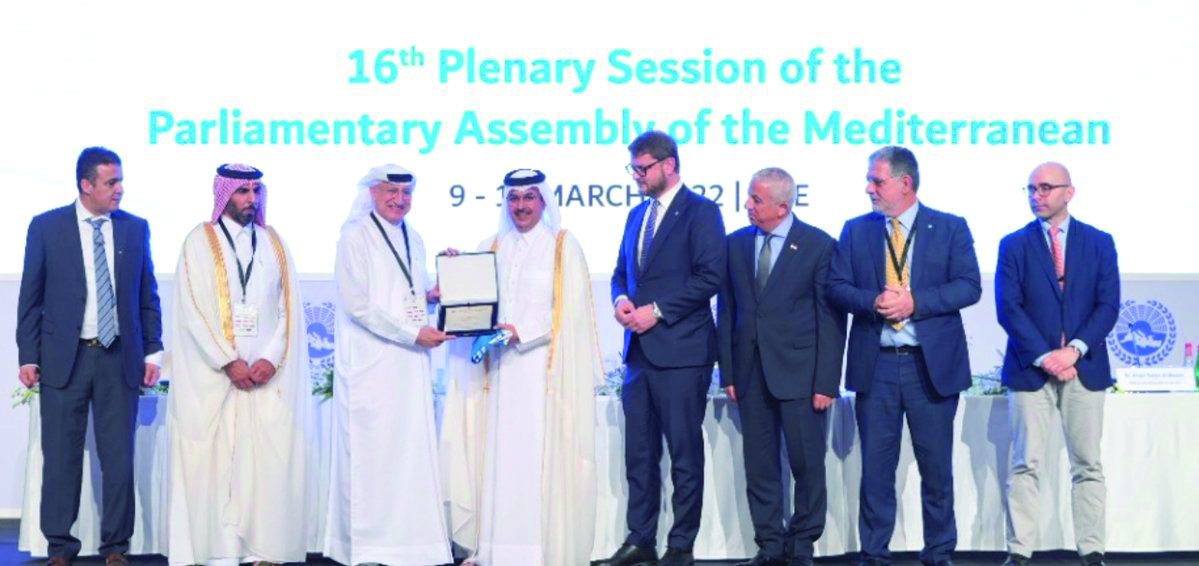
1043,189
641,170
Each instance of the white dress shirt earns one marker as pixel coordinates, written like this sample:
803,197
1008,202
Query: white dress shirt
90,314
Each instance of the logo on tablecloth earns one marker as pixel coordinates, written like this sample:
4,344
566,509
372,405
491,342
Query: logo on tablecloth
1144,334
319,327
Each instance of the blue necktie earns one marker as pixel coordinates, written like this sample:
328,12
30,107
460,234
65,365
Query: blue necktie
106,304
648,237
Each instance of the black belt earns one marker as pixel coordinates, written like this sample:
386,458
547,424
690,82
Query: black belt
900,350
95,342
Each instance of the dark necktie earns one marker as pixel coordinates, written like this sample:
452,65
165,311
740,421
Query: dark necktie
648,237
764,261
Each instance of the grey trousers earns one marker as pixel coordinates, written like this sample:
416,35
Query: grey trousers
1030,415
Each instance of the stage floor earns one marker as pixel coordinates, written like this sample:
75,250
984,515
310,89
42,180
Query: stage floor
10,556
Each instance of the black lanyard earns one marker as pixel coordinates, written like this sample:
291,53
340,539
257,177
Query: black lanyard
902,260
407,249
242,276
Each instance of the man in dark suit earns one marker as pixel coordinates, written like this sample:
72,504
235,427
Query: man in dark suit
905,271
90,334
667,270
1057,292
781,345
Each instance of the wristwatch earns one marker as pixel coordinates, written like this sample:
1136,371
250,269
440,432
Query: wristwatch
657,312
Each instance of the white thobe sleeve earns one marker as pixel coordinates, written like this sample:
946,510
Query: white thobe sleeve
352,271
273,352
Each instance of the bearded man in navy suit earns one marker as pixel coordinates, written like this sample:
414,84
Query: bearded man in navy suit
668,268
905,272
89,331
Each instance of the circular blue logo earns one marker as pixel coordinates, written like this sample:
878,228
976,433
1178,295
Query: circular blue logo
1144,334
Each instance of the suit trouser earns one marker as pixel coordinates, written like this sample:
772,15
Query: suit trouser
803,429
666,402
902,387
1030,414
95,381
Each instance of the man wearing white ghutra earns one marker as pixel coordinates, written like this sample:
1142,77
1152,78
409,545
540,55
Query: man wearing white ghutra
385,502
518,436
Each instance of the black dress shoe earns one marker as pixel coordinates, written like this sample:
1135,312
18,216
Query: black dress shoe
633,555
763,560
676,557
1016,560
872,562
1093,559
800,562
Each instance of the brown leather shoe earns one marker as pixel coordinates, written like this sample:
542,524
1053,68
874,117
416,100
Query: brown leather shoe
58,561
116,559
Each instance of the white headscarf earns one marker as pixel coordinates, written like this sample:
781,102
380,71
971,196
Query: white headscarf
364,203
523,179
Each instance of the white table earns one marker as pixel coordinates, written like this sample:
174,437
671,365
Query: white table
1147,446
1150,465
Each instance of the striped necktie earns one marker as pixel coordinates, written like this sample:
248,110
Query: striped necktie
106,304
1059,259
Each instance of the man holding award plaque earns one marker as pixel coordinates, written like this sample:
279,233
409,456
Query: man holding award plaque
520,424
384,436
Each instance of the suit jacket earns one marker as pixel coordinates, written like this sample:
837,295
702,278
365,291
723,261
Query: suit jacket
790,323
682,273
54,292
945,279
1036,312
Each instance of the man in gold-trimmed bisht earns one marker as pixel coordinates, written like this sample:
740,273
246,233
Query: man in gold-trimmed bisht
517,443
238,387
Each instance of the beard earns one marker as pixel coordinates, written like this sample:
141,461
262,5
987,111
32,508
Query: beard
243,216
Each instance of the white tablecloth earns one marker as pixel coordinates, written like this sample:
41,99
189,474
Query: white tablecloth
1148,459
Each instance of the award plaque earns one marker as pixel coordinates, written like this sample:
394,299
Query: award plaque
470,297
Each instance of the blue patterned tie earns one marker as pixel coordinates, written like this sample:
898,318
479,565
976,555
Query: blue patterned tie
648,237
106,311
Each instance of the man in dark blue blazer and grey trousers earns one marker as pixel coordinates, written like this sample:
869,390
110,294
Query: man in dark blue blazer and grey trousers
905,271
89,331
1057,291
667,270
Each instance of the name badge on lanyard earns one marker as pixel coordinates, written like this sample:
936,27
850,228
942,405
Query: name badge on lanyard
245,320
414,313
245,317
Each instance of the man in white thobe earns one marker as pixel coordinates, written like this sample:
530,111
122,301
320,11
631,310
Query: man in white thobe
521,425
385,502
238,388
